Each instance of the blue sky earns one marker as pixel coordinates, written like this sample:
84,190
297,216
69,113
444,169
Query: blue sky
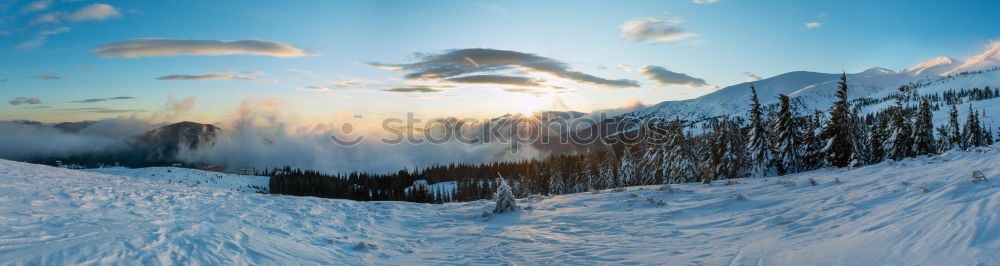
47,52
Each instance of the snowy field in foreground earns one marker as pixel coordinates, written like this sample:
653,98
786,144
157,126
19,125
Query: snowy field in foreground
916,211
194,177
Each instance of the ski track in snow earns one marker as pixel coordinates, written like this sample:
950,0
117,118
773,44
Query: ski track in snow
876,215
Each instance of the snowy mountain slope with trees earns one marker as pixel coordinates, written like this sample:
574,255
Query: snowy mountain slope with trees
923,210
811,90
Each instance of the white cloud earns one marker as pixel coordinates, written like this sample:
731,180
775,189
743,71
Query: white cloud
49,76
24,100
227,75
493,67
37,6
624,67
94,12
751,77
173,47
704,1
813,25
654,30
664,77
41,38
91,12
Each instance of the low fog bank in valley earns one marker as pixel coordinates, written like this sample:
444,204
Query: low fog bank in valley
27,140
260,134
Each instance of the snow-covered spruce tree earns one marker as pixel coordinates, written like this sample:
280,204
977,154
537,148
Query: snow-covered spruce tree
954,130
899,143
838,146
972,135
923,130
942,141
787,143
758,148
556,184
812,155
876,140
859,133
653,164
626,168
609,168
682,161
729,147
504,197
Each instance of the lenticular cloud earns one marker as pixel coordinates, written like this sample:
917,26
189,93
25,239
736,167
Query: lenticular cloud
172,47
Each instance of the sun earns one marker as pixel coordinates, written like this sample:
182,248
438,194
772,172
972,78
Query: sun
527,105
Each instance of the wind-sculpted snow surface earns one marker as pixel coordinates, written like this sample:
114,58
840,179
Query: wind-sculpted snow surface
916,211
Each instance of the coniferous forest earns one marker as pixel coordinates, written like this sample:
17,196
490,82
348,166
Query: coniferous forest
773,140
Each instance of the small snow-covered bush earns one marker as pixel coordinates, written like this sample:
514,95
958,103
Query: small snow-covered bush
656,202
633,195
785,181
666,187
536,198
731,182
813,182
924,189
365,245
620,189
978,176
505,198
738,196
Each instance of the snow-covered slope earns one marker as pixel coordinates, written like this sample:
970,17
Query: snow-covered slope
986,60
916,211
990,108
934,67
810,90
245,183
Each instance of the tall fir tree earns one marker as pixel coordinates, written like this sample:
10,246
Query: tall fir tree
730,147
923,130
758,146
786,142
972,135
556,184
954,130
859,133
812,156
682,160
838,144
899,143
879,133
627,168
609,168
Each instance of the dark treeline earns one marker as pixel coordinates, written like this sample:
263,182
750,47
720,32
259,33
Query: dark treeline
772,141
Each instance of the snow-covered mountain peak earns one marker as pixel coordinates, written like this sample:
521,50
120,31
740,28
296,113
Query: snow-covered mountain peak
934,67
875,71
986,60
